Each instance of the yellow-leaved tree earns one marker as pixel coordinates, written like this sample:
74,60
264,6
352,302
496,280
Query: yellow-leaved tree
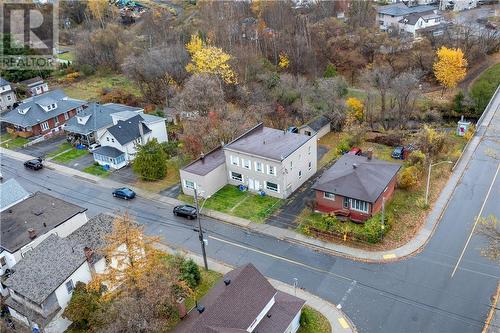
208,59
284,61
450,67
98,9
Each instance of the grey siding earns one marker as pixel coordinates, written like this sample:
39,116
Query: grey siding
209,183
322,132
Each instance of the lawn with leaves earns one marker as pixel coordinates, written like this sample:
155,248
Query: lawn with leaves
244,204
170,179
9,142
96,170
313,321
66,153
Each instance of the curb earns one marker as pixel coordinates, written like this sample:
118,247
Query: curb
339,322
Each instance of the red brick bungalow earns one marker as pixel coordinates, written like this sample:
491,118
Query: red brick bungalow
355,187
43,114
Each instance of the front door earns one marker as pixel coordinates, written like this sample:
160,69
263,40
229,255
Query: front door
251,184
346,202
257,185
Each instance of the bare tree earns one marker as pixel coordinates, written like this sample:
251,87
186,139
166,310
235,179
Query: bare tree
405,91
201,94
381,78
326,98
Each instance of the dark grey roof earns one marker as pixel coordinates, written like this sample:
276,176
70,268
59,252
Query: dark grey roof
41,212
281,313
11,192
3,82
126,131
47,266
95,117
108,151
235,306
366,181
35,114
32,81
318,123
400,9
209,162
268,142
412,19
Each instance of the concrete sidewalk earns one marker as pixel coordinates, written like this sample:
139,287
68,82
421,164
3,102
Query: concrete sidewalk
338,320
413,246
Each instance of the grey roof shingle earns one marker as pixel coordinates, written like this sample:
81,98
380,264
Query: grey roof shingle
99,116
281,314
209,162
268,142
47,266
35,114
126,131
11,192
233,308
108,151
41,211
318,123
33,81
357,177
400,9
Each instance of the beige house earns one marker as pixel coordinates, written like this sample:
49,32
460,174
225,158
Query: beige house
263,159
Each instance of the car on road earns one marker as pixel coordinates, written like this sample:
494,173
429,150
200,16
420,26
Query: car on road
186,211
35,164
355,151
124,193
93,147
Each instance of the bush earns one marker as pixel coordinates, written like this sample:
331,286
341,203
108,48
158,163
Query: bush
431,142
470,132
330,71
408,178
86,69
306,318
458,102
190,273
171,148
417,159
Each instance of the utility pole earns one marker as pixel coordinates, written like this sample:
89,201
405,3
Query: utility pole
429,178
382,221
200,231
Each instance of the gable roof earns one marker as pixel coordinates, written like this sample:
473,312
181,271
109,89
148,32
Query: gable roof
35,114
47,266
400,9
268,142
413,18
357,177
233,307
32,82
99,116
41,211
10,193
318,123
108,151
3,82
209,162
126,131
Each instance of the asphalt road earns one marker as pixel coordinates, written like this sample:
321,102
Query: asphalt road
418,294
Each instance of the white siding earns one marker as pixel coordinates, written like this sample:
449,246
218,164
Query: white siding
210,183
82,274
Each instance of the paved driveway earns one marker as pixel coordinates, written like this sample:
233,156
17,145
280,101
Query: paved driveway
124,175
43,148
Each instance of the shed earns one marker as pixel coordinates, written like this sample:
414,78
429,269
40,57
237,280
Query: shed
319,125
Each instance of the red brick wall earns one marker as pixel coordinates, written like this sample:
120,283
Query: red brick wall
326,205
37,129
377,206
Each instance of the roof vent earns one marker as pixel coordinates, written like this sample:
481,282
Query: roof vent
32,233
227,282
268,315
354,165
200,308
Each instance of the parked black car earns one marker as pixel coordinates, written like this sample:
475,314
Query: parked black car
186,211
398,153
35,164
124,193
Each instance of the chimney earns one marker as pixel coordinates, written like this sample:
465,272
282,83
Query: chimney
32,233
202,156
354,165
181,307
88,253
227,281
369,154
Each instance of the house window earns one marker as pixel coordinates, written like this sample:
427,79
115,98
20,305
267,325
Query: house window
48,107
258,167
66,116
53,106
70,286
235,160
310,166
246,163
300,174
8,97
309,150
189,184
236,176
291,164
346,202
112,140
361,206
271,170
329,195
2,262
272,187
56,120
44,126
107,139
120,159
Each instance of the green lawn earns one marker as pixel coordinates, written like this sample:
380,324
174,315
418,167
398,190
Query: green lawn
89,88
69,56
208,280
96,170
62,147
484,87
8,141
313,321
231,200
66,153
